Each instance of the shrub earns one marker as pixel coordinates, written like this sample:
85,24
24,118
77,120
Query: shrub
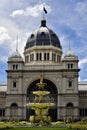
78,126
5,125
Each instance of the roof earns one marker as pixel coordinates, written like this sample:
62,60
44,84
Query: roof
82,86
43,36
16,56
3,87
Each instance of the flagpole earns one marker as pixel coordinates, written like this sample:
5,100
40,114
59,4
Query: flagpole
43,14
44,11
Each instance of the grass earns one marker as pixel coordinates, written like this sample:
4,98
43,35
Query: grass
38,128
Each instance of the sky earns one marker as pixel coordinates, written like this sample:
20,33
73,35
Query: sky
67,18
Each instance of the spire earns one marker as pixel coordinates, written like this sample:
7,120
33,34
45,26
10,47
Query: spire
69,45
69,52
17,44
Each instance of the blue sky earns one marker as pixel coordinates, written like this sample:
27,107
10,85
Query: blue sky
67,18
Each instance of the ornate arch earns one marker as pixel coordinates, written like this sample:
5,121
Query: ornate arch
29,82
51,87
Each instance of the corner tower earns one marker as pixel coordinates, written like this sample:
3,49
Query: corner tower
70,84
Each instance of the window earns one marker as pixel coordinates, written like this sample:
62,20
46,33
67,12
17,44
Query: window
70,83
32,35
53,57
83,93
46,56
31,57
14,84
70,65
15,66
38,56
69,109
14,110
69,104
26,59
42,34
83,112
2,112
58,58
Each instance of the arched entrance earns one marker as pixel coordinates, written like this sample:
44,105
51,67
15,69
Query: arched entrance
53,96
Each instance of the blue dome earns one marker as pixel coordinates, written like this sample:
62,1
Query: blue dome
43,36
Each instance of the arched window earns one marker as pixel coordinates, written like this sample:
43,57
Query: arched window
69,104
70,83
32,35
42,34
70,65
31,57
69,110
14,84
15,66
46,56
38,56
14,110
53,57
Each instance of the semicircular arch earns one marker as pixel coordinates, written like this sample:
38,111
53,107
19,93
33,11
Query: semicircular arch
52,97
50,86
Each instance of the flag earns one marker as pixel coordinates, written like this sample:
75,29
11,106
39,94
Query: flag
45,10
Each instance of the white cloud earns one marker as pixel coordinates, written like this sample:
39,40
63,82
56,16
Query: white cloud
4,34
33,11
12,28
83,62
17,12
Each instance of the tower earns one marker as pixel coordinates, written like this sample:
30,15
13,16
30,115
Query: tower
70,84
14,98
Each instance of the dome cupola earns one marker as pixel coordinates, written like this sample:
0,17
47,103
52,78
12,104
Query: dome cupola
43,45
43,36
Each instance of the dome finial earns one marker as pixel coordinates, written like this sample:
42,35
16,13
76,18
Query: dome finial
43,21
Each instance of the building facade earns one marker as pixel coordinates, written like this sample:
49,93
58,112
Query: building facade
43,55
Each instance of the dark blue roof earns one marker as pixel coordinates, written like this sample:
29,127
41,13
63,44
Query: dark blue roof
43,36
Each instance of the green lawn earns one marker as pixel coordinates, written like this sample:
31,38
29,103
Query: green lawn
38,128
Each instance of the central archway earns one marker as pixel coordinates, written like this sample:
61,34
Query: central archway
53,95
